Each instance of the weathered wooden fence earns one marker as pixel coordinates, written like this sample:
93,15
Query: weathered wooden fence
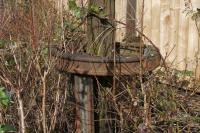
167,25
175,33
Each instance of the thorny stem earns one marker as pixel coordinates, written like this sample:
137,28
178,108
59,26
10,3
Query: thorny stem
54,117
44,106
43,78
146,106
21,112
18,90
20,102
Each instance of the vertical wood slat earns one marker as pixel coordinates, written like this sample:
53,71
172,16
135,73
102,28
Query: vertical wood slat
174,31
125,11
120,11
100,33
83,87
193,45
164,26
196,4
147,18
155,22
169,28
179,33
130,19
138,14
183,38
110,36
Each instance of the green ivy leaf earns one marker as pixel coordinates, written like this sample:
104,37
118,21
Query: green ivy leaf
72,5
10,61
4,98
83,11
74,8
77,13
45,51
4,42
7,128
183,73
95,9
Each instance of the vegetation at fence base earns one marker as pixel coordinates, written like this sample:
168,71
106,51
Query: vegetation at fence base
84,11
4,102
6,128
98,24
36,96
4,98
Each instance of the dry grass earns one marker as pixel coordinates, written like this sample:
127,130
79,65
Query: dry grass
42,100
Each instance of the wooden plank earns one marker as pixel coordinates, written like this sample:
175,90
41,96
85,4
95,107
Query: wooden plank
83,87
174,31
147,18
110,35
167,26
139,15
164,26
196,4
182,39
193,45
120,15
155,29
100,33
125,11
130,20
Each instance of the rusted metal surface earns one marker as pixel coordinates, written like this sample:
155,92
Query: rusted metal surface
85,64
83,90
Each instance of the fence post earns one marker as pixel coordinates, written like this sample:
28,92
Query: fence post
83,89
1,10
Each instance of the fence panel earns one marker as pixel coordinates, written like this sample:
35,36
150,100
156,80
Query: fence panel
168,26
175,33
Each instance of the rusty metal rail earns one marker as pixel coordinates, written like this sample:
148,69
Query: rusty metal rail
82,63
84,67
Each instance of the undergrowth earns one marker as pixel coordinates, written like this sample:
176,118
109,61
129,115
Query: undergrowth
42,99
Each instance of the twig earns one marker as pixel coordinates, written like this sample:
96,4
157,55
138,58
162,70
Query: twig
21,112
54,117
146,104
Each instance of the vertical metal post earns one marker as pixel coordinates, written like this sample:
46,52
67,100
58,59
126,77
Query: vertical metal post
83,86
